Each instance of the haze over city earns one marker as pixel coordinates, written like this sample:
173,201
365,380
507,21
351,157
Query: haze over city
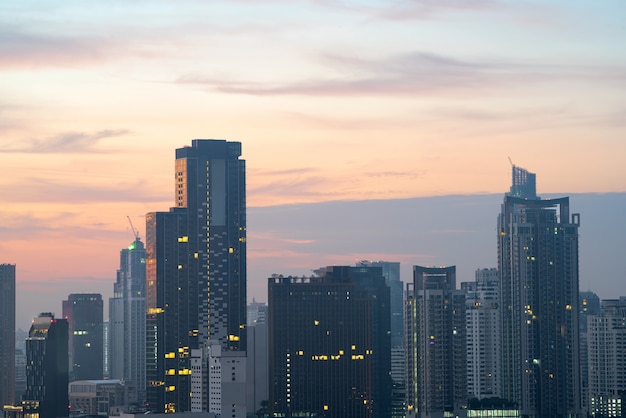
370,130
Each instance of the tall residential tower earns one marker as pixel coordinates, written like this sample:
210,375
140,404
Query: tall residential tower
538,265
7,334
436,357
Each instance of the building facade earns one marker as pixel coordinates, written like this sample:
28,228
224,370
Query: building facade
127,320
538,265
84,314
483,334
588,305
7,334
195,269
607,359
329,344
227,382
47,365
436,351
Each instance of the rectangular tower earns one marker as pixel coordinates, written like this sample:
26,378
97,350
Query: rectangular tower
329,344
538,265
211,186
84,315
47,368
483,334
127,319
195,269
436,357
607,359
7,334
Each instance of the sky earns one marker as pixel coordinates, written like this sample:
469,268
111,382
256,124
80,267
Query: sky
333,101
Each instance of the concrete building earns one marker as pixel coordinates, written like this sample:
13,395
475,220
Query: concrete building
127,320
227,382
538,265
606,346
257,392
329,344
47,362
84,314
99,397
588,305
7,334
483,334
436,350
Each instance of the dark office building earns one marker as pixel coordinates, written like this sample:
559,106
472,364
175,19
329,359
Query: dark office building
329,344
7,334
47,368
538,264
195,269
86,347
436,349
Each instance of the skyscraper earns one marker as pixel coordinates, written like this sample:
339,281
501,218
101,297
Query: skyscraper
329,344
84,317
538,265
47,367
391,272
607,359
7,334
436,357
127,319
196,268
483,334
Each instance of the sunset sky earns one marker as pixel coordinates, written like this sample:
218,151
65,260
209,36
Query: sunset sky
332,101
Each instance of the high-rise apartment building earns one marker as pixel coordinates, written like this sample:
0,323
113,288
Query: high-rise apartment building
195,269
588,305
436,357
84,315
607,359
127,319
483,334
7,334
329,344
47,368
538,265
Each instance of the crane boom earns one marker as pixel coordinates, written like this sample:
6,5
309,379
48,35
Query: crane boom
135,232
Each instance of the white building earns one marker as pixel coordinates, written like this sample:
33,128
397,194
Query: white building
607,358
483,334
227,382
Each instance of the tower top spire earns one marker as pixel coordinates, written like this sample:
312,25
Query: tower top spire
523,183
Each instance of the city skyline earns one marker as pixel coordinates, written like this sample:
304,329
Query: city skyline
350,102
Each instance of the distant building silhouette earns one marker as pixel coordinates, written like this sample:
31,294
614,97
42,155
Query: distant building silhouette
7,334
330,344
127,320
607,359
436,350
588,305
84,314
482,298
195,269
47,368
538,265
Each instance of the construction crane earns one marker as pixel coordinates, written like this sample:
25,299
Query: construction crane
135,232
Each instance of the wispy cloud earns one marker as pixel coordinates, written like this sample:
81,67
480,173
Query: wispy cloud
417,73
68,142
